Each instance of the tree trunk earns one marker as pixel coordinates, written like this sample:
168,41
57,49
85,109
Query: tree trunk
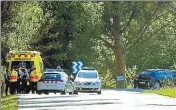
119,47
120,63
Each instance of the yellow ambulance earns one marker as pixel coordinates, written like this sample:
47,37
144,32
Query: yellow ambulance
28,59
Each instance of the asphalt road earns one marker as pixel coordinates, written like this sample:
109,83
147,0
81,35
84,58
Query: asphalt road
108,100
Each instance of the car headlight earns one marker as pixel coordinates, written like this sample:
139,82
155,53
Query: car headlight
77,83
96,83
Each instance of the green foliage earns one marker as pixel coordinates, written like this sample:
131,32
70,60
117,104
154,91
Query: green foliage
130,73
166,83
9,102
108,81
67,31
171,92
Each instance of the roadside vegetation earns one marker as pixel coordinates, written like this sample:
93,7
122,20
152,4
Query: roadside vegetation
9,102
115,37
171,92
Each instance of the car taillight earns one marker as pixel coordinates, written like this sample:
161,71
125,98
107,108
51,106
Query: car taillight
61,81
150,77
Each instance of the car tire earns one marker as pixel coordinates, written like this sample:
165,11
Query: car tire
75,92
63,92
39,92
99,92
47,93
157,85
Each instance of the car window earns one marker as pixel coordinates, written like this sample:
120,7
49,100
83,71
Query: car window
51,76
87,75
169,74
161,73
148,73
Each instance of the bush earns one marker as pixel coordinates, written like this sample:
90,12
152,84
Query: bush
168,83
130,73
108,81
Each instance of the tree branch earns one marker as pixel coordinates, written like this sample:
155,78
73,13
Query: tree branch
107,44
145,28
158,30
129,21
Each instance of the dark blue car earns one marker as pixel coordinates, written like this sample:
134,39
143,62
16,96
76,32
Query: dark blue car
153,78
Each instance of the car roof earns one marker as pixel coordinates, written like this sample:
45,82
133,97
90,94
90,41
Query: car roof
88,68
154,69
88,71
52,70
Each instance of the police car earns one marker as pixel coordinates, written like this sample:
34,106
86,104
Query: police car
54,80
87,80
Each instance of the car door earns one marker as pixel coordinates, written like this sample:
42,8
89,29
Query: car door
161,74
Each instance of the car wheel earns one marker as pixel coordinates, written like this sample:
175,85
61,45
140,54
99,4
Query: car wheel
75,92
99,92
39,92
63,92
157,85
46,92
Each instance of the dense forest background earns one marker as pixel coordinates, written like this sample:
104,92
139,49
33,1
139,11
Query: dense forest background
92,31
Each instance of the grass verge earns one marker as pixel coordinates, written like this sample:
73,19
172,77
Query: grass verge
9,102
171,92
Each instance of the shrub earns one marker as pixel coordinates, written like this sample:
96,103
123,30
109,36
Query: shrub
130,73
108,81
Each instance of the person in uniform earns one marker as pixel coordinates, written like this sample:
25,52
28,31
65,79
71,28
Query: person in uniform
13,81
24,80
18,80
33,80
7,82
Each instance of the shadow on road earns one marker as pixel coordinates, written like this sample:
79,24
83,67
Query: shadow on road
61,105
61,101
159,105
28,98
130,90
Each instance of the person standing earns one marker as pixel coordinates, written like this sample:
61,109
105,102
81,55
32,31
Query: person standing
33,80
13,80
24,80
18,80
7,82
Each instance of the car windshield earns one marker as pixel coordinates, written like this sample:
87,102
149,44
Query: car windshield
51,76
87,75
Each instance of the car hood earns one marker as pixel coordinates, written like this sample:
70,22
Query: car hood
87,80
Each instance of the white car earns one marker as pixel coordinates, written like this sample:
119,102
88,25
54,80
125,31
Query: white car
55,81
87,80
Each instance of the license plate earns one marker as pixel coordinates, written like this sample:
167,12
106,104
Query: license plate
28,83
142,82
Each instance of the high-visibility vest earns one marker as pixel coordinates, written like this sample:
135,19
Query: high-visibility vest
13,76
33,76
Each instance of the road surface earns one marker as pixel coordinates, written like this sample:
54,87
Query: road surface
108,100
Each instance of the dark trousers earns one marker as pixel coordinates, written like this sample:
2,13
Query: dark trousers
7,87
33,86
13,87
18,87
24,86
